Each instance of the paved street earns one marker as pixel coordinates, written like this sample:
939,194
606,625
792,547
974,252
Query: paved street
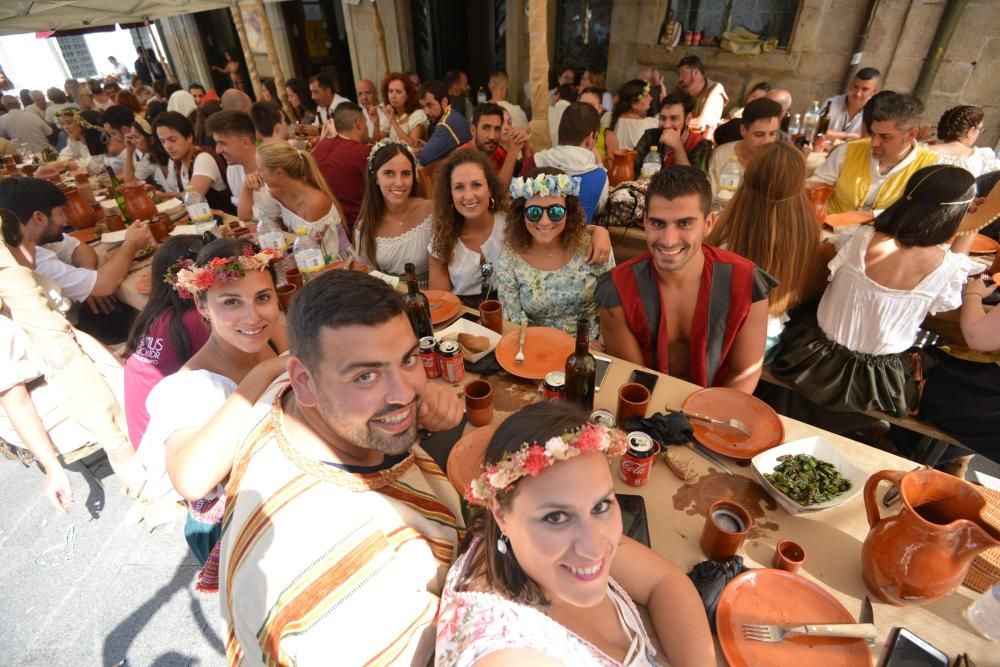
91,588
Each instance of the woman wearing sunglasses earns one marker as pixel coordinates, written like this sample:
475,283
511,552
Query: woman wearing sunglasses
543,275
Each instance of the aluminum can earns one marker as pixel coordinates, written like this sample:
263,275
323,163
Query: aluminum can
429,356
450,361
688,38
638,459
696,39
604,418
554,386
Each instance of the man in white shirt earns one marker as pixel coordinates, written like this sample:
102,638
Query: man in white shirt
236,100
118,70
377,124
38,105
845,110
759,125
19,125
234,135
499,89
269,121
709,97
57,102
327,100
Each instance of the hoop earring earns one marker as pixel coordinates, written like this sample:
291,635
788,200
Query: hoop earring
502,544
493,204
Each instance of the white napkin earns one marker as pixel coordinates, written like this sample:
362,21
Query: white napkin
169,205
113,237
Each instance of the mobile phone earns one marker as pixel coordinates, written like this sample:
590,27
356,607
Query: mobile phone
603,364
647,380
908,650
472,317
634,523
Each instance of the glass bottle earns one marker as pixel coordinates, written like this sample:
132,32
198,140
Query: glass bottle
417,307
581,369
119,198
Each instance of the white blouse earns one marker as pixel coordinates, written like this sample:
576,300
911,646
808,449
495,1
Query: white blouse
867,317
334,237
203,165
393,252
464,271
982,161
630,130
418,117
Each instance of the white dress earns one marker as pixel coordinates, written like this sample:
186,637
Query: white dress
418,117
982,161
464,270
334,237
393,252
630,130
866,317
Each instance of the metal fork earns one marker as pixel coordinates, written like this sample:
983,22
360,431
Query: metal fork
732,423
519,357
776,633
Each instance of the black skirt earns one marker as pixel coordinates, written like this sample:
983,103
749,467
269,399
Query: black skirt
962,398
839,379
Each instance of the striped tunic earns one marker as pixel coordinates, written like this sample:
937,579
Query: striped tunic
324,566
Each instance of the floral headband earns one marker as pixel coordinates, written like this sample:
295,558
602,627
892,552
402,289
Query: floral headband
532,458
188,279
545,185
646,90
387,142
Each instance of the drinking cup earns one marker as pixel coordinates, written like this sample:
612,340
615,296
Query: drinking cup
479,402
726,528
789,556
159,230
285,294
633,399
294,276
114,222
491,315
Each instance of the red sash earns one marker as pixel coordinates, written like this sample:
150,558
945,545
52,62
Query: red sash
725,295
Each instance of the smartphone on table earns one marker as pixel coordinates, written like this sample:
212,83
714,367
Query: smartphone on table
645,378
634,524
908,650
603,364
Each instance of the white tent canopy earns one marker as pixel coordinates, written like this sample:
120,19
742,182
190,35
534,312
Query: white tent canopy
21,16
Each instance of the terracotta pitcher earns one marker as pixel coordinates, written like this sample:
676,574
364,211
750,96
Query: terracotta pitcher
923,553
622,167
79,212
138,204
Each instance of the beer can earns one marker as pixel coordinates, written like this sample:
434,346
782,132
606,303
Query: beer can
450,361
638,458
554,386
429,357
603,417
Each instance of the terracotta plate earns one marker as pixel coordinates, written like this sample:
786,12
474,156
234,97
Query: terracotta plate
85,235
984,245
545,350
766,430
444,305
848,218
783,598
466,458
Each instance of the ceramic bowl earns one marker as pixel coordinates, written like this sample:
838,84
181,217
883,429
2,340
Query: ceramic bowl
818,447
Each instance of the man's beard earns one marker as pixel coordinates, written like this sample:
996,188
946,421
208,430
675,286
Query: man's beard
51,237
364,436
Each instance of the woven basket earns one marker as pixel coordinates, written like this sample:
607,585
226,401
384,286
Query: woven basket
985,568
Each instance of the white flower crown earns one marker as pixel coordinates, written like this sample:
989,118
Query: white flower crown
382,143
545,185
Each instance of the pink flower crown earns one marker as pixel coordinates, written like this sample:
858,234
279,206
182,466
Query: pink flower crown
188,279
532,458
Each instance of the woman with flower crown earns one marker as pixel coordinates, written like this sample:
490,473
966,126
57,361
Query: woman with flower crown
628,117
232,285
547,577
394,223
542,274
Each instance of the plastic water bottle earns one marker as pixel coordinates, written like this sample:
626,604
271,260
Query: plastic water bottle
651,164
308,255
269,235
810,121
984,613
795,127
198,209
481,96
729,179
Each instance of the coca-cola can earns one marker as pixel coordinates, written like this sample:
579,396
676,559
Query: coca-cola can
604,418
450,361
554,386
638,459
688,38
429,357
696,38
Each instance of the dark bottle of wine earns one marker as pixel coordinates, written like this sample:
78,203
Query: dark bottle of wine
824,121
418,308
119,198
581,368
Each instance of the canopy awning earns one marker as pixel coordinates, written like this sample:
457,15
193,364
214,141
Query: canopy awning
21,16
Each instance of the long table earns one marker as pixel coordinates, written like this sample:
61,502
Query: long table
832,538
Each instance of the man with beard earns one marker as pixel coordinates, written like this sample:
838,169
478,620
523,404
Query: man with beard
870,174
488,137
340,528
449,129
676,142
709,96
685,308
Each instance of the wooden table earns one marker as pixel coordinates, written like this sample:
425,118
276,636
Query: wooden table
832,538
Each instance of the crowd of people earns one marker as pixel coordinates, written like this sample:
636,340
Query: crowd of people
259,422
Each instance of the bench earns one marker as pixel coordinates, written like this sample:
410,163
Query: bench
933,442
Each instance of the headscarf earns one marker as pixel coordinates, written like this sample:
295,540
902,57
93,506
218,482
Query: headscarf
183,102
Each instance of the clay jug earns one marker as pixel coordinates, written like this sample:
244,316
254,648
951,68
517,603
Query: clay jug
138,204
622,167
923,553
78,212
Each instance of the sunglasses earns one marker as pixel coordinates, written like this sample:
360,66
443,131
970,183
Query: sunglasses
556,212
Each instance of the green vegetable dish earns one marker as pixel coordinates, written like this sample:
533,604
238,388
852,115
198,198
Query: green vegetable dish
806,479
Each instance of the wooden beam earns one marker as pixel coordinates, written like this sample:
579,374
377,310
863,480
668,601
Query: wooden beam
380,40
247,53
159,54
272,54
538,33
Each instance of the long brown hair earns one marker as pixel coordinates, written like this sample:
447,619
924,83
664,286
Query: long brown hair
373,204
411,91
771,222
448,222
519,238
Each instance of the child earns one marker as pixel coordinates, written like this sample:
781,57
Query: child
884,280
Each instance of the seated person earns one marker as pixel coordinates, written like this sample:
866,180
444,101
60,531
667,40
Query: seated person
343,160
499,86
606,142
676,142
845,110
957,133
234,136
401,114
730,130
559,517
566,94
341,430
502,148
628,117
86,143
269,121
759,126
709,96
542,274
870,174
574,156
190,164
448,129
145,159
655,308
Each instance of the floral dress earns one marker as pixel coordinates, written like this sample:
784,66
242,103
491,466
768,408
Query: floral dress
550,298
472,625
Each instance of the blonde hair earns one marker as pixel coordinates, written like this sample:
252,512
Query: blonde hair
300,165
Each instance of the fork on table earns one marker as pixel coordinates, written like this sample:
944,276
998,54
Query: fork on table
776,633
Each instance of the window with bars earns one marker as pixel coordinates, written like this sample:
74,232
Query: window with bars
77,56
767,18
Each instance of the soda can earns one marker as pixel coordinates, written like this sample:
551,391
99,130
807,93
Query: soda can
450,361
688,38
429,357
603,418
554,386
638,458
696,39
